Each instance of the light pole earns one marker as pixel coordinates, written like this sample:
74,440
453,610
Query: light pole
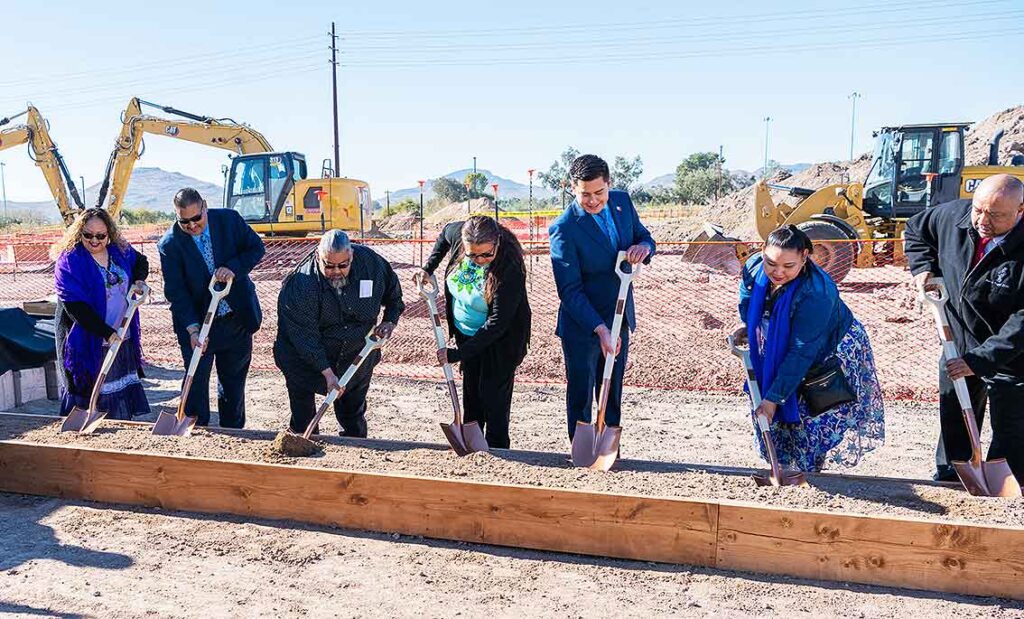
495,188
469,197
561,184
530,203
767,122
853,118
421,220
81,181
3,186
387,202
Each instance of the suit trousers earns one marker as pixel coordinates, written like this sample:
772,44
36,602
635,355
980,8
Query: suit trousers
584,368
349,408
230,348
488,380
1004,395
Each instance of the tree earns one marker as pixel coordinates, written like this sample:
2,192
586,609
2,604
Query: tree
477,184
145,216
625,172
697,179
408,205
558,173
449,189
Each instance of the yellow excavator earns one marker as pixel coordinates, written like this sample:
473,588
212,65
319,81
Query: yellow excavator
914,167
43,151
269,188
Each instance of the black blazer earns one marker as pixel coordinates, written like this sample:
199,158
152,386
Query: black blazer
508,314
187,279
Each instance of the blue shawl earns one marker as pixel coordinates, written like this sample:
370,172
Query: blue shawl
76,278
776,340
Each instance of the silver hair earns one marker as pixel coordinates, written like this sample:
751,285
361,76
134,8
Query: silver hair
334,241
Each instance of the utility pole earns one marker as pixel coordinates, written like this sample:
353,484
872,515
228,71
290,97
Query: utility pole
421,221
718,189
3,187
387,201
81,180
469,197
764,170
530,207
474,165
334,92
853,118
495,188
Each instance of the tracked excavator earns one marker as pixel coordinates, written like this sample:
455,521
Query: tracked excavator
269,189
914,167
35,131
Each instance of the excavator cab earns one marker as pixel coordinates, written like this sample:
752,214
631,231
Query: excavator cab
259,184
914,167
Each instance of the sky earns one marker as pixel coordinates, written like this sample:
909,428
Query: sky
425,87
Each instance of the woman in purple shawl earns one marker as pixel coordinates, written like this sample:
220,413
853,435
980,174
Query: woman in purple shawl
95,270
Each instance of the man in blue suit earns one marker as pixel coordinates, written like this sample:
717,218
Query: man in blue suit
585,241
218,243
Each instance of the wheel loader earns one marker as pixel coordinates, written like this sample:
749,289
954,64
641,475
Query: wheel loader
914,167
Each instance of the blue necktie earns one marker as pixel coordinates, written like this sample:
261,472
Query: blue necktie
608,227
206,248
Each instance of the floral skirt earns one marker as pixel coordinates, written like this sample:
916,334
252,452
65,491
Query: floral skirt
841,436
122,395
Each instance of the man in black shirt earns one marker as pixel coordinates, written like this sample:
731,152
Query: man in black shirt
326,307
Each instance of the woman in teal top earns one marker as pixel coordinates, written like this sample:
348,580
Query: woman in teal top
488,315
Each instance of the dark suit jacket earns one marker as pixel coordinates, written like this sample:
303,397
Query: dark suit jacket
187,280
583,260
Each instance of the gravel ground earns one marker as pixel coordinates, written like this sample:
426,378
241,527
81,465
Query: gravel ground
92,560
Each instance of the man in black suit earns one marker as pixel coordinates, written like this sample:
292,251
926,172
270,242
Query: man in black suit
217,243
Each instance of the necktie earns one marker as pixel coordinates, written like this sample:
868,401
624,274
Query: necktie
608,227
979,251
206,248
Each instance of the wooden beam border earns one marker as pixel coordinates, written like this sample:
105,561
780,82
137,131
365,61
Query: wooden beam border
949,557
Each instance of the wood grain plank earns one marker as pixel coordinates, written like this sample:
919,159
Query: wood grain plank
642,528
916,554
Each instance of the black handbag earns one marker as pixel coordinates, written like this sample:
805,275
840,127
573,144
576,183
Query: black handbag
825,387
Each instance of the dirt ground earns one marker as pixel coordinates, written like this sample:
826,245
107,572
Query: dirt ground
81,559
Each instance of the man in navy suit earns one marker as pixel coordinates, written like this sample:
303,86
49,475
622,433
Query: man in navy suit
585,241
203,244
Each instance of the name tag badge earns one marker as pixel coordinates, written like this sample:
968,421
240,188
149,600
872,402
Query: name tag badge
365,288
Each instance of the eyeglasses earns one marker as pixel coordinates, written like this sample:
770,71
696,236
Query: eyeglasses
99,236
489,254
341,266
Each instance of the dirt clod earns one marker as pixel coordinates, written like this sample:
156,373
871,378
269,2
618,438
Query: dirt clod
294,445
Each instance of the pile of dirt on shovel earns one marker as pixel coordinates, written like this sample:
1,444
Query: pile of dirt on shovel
550,470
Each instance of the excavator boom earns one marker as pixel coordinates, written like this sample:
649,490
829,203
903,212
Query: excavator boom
219,133
43,151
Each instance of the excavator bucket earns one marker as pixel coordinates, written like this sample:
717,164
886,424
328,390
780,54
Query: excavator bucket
717,250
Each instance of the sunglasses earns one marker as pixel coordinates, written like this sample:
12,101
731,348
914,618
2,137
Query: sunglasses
99,236
341,266
193,220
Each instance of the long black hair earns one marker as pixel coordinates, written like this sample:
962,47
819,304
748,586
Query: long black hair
508,253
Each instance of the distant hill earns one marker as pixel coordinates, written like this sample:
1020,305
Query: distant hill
150,188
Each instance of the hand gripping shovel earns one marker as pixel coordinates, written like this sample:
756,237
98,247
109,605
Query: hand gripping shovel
596,445
178,424
86,421
305,443
776,476
992,478
465,438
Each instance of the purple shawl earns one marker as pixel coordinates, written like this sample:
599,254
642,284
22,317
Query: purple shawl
76,278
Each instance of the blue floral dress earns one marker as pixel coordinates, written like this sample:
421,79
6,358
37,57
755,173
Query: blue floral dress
841,436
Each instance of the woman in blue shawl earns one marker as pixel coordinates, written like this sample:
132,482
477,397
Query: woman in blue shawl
94,271
797,323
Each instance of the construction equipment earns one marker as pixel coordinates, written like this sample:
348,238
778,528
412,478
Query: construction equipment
596,445
914,167
178,424
465,438
43,151
776,476
992,478
86,421
268,188
304,445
